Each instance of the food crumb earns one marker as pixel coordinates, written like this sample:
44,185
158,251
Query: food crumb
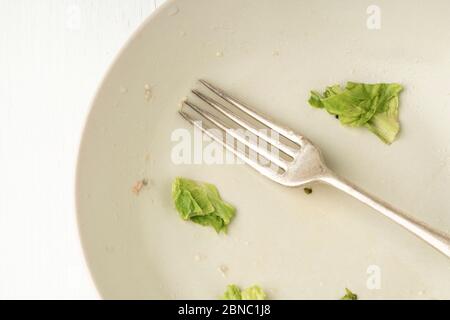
199,257
219,54
173,11
223,270
110,249
308,190
139,185
148,94
276,53
123,90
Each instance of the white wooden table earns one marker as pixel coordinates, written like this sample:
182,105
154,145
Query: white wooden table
53,54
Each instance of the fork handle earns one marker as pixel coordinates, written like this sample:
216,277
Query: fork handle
436,239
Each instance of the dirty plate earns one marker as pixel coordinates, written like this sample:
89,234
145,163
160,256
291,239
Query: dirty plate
270,54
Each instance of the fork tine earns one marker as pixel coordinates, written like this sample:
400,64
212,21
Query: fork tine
228,113
262,151
289,134
266,171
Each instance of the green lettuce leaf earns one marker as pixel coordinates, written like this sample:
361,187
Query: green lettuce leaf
374,106
349,295
201,203
233,292
253,293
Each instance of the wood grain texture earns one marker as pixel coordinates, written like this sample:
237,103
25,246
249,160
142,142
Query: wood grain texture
53,54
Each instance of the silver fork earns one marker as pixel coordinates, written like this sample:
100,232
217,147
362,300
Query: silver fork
306,164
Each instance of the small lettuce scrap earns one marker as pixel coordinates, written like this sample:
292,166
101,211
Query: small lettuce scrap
373,106
201,203
349,295
233,292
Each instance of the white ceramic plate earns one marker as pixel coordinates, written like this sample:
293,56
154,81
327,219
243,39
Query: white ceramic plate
270,53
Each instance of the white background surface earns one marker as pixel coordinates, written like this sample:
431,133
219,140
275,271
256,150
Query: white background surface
53,54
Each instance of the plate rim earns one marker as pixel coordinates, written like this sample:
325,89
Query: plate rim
82,138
